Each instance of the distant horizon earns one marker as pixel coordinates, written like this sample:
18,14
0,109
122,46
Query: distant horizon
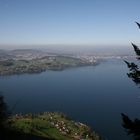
71,48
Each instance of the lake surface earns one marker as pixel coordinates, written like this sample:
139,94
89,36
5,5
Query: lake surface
95,95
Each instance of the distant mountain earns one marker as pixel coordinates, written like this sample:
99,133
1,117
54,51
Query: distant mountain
26,51
21,54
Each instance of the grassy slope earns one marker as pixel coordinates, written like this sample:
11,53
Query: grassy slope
48,125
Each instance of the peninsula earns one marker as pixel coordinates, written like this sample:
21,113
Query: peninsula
33,61
52,126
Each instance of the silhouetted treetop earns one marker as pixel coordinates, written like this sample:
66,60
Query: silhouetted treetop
134,72
137,24
136,49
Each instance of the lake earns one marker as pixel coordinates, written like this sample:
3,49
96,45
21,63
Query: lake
94,95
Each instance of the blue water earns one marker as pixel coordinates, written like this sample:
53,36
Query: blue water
95,95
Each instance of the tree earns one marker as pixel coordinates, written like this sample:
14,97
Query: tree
133,126
3,112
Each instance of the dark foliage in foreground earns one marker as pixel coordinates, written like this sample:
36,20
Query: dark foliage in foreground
7,133
133,126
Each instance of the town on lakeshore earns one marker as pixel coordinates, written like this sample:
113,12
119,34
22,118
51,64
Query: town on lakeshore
52,125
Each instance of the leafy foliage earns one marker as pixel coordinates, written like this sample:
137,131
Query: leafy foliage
133,126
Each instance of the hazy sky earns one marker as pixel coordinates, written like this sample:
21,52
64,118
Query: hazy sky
92,22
